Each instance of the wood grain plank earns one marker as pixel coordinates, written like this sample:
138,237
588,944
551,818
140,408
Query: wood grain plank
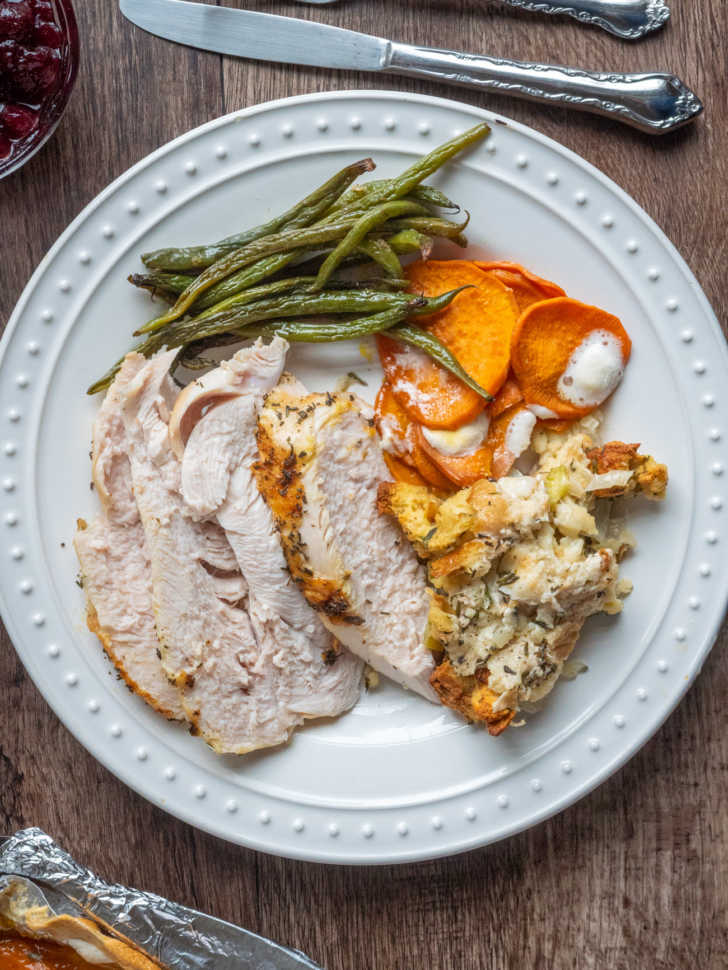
635,875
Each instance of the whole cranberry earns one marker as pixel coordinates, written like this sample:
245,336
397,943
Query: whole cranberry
16,19
48,34
43,9
5,146
17,120
37,70
8,56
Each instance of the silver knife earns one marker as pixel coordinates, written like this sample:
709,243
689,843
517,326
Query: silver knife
653,103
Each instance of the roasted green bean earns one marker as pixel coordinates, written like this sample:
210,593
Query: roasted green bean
429,195
174,284
345,329
404,241
254,293
380,252
242,280
302,214
166,285
433,304
424,194
408,241
298,306
291,305
301,332
372,219
432,226
402,185
387,309
279,245
383,283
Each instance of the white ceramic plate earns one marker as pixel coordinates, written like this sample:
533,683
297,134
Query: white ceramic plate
397,778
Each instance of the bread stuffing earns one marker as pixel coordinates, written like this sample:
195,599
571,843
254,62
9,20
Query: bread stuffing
517,564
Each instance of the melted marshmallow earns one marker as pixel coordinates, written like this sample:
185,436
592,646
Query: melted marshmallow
594,370
462,441
518,433
542,413
391,437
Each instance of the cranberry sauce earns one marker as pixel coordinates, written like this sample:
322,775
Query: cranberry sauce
38,60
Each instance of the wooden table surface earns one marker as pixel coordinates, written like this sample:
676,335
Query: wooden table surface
633,876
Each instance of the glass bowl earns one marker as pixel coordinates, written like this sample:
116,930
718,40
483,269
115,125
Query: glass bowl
38,66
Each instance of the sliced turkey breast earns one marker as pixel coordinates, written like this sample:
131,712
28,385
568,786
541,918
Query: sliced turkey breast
114,563
230,692
319,469
215,550
206,644
313,677
253,370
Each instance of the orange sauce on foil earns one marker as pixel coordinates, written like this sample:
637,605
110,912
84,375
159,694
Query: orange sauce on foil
17,953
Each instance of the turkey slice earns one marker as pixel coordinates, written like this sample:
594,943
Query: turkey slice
319,470
114,562
312,676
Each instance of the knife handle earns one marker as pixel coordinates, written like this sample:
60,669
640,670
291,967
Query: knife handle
653,103
628,19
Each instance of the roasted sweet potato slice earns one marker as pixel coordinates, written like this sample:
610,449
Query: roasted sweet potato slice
527,288
402,472
429,393
459,469
499,441
546,337
429,470
394,424
557,425
506,397
476,327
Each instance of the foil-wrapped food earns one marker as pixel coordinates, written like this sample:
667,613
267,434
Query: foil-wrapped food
47,897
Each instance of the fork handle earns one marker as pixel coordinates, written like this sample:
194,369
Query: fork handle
628,19
653,103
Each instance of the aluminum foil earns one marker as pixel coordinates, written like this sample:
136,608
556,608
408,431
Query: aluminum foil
173,935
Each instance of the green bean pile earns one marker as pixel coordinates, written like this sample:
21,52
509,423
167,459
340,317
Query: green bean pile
293,277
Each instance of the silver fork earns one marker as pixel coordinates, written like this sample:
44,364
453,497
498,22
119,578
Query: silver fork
628,19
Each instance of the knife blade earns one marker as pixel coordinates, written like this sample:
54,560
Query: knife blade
653,103
260,36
